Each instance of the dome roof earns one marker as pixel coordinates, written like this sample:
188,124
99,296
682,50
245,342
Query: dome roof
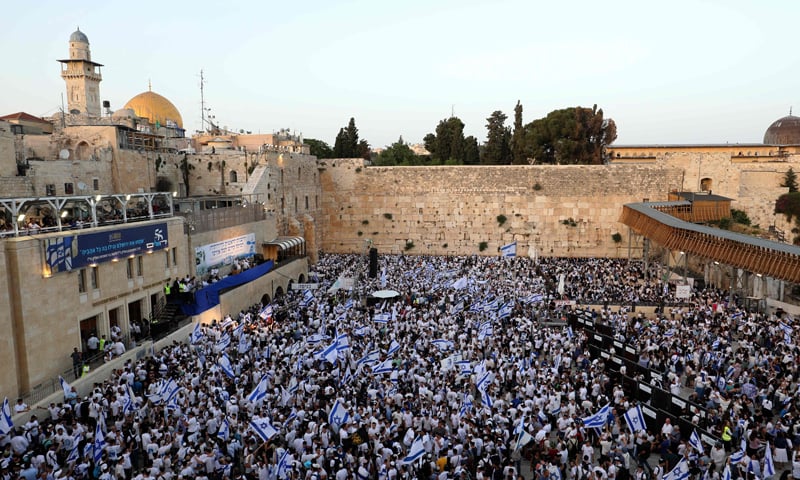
155,108
78,36
783,131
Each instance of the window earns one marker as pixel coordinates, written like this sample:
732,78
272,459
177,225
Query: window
705,184
68,190
295,204
96,184
95,282
82,280
174,256
50,189
139,266
130,268
306,202
316,201
166,258
234,176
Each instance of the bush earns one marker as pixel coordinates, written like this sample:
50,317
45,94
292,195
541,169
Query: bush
409,245
444,245
387,216
740,216
501,219
360,233
483,246
537,186
570,222
725,223
364,222
789,205
617,237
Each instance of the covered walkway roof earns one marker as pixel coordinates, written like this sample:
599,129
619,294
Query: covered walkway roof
774,259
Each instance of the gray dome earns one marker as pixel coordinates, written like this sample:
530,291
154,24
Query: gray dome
78,36
783,131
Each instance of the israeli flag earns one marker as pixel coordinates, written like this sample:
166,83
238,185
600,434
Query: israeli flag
263,428
726,474
64,385
244,344
543,417
393,347
694,441
343,342
360,331
442,344
485,330
381,318
680,472
197,334
570,334
338,415
74,455
509,250
237,332
416,452
383,367
523,439
492,305
461,283
224,430
369,358
285,465
98,445
348,375
330,353
224,341
769,465
505,310
466,406
266,312
308,296
737,456
225,364
464,367
383,278
260,391
315,338
635,419
6,424
599,419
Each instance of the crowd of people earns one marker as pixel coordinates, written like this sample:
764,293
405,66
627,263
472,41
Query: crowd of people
462,370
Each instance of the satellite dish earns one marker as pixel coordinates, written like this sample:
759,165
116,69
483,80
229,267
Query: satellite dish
63,154
81,186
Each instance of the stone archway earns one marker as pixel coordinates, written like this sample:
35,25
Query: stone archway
301,278
265,299
83,151
278,292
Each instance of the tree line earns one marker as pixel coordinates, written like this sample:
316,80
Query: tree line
569,136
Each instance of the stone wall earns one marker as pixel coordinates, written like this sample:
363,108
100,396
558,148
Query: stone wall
8,159
8,374
554,210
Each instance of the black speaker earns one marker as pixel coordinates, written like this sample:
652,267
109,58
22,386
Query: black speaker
373,262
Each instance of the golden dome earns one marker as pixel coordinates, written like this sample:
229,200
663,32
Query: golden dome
155,108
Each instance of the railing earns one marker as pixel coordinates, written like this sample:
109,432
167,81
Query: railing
218,218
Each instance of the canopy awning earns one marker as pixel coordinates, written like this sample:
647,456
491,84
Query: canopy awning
285,243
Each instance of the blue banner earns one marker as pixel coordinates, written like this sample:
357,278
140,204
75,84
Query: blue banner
81,250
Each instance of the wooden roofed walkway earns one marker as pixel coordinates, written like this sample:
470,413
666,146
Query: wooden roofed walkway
773,259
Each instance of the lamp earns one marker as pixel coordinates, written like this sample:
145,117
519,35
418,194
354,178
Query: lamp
174,194
98,197
64,214
21,217
127,197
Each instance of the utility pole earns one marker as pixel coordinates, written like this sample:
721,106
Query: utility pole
202,103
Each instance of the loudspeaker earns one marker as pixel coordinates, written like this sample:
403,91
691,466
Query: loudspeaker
373,262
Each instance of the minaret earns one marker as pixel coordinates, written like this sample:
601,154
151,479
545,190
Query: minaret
83,77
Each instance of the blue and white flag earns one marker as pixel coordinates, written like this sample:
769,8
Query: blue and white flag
383,278
679,472
737,456
224,430
599,419
343,342
694,441
726,474
382,317
263,428
466,406
98,445
635,419
197,334
442,344
225,364
543,417
64,385
74,454
266,312
237,332
338,415
464,367
461,283
384,367
769,465
330,353
260,391
416,452
505,310
285,465
315,338
6,424
570,333
224,341
483,387
485,330
509,250
244,344
369,358
393,347
308,296
360,331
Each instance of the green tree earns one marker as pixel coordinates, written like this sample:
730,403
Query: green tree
319,148
790,180
447,144
398,153
348,145
570,136
472,155
518,154
497,150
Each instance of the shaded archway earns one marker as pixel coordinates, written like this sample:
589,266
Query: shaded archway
82,151
301,278
265,299
278,292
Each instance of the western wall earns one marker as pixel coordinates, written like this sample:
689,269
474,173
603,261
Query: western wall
552,210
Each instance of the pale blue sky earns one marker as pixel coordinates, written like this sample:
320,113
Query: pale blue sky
666,72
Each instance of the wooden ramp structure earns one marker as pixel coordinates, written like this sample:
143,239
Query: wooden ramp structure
656,222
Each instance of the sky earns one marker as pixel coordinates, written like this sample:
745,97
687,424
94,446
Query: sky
666,72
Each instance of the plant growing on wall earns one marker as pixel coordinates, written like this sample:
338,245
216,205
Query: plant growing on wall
537,186
409,245
617,237
501,219
387,216
570,222
483,246
364,222
185,167
159,162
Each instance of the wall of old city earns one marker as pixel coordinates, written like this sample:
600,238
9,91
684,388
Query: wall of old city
46,310
552,210
8,374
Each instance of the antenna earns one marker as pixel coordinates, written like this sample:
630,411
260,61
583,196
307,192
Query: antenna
452,110
63,112
202,103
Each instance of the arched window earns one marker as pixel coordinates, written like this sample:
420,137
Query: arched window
82,151
706,184
234,176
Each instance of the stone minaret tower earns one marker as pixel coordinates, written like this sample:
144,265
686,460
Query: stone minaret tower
83,77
